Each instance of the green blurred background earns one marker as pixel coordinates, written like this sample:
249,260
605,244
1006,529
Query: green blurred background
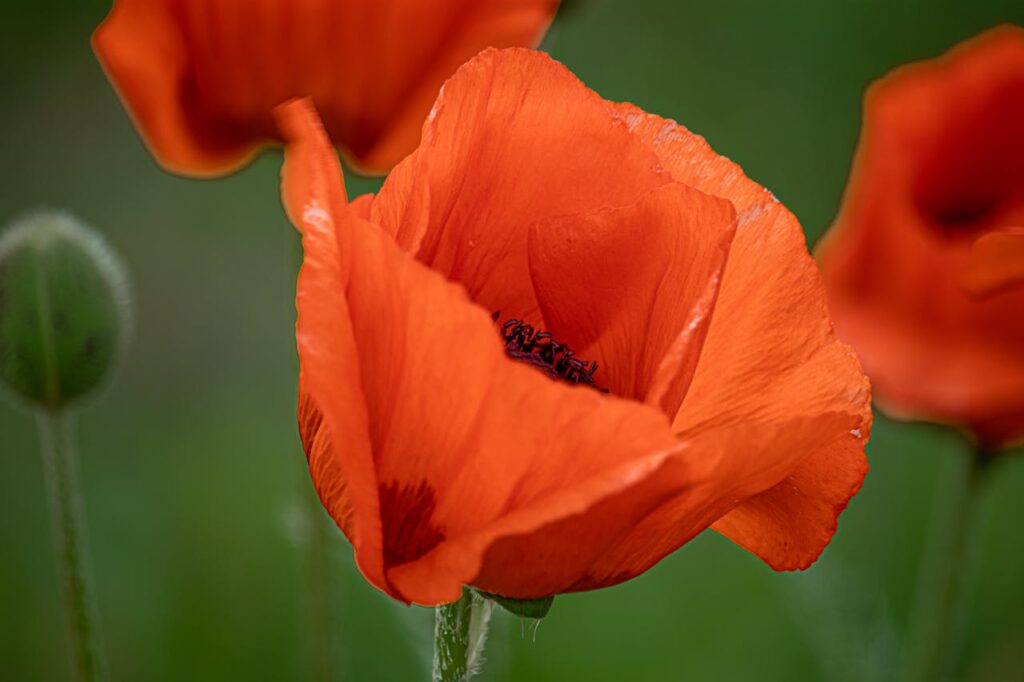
193,476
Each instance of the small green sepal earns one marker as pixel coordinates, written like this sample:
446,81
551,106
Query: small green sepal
525,608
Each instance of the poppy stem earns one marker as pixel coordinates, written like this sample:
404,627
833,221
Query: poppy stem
320,630
932,632
60,462
460,631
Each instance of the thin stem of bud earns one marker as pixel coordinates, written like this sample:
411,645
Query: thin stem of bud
60,462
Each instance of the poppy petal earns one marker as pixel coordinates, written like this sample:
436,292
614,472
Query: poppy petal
324,463
790,524
996,262
514,138
201,77
145,58
625,286
767,360
313,192
446,36
724,481
449,444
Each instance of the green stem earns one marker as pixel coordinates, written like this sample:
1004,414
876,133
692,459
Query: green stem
932,631
460,630
319,630
60,461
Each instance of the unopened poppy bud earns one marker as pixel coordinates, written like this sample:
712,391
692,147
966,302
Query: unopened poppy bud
63,309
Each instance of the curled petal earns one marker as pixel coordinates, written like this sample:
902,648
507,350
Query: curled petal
333,407
740,466
791,523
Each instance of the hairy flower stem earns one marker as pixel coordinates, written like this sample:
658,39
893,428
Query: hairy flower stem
932,633
460,631
60,461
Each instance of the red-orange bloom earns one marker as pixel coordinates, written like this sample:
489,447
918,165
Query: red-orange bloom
925,263
447,462
201,77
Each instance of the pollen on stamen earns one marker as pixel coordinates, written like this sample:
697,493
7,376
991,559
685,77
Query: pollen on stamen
540,349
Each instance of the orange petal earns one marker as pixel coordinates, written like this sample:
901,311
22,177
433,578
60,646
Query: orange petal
738,464
770,357
790,524
201,77
938,167
514,138
313,192
441,37
324,464
142,51
450,446
626,286
996,262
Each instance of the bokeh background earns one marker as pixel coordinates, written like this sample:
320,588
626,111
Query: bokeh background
193,477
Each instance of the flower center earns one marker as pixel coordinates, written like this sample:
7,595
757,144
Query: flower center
541,350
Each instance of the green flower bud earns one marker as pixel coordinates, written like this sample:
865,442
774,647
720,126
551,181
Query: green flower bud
64,309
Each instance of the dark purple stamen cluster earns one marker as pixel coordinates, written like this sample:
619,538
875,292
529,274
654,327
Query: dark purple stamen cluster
541,350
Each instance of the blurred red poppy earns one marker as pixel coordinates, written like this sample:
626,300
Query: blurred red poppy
201,77
447,459
925,263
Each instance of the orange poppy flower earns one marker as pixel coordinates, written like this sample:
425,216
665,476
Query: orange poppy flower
443,453
201,77
925,263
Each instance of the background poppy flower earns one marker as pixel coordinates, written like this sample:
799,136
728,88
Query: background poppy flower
446,462
925,263
201,77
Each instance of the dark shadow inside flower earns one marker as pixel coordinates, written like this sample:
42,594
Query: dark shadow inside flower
971,178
